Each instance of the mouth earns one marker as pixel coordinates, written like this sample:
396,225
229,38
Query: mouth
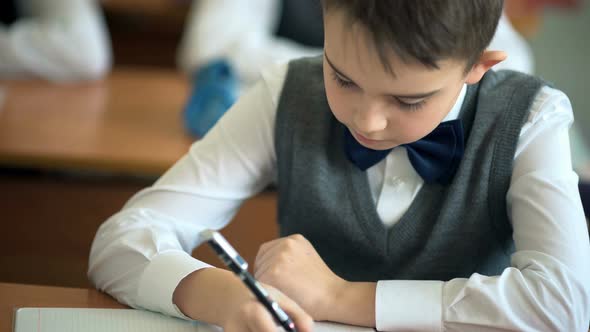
364,140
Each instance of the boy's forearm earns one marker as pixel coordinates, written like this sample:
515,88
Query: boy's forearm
355,304
210,294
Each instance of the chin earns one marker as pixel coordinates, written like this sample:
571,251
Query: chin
378,145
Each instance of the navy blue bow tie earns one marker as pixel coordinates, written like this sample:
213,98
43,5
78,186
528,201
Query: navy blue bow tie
434,157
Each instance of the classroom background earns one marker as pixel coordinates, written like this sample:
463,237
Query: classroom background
71,154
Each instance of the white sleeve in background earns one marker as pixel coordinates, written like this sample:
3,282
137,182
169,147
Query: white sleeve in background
547,287
58,40
507,39
240,31
141,254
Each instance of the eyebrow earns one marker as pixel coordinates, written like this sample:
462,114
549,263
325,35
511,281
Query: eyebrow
410,96
418,95
334,67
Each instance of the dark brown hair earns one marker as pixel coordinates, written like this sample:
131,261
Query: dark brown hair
425,30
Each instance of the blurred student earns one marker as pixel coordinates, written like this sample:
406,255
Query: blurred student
223,57
57,40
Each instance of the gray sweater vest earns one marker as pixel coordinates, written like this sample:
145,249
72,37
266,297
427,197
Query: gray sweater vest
448,231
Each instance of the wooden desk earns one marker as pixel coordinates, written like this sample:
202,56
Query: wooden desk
129,123
47,225
14,296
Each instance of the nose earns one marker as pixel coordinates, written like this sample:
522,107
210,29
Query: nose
370,118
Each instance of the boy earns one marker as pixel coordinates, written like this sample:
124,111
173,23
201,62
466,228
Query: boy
417,189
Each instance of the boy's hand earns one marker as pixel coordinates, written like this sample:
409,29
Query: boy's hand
252,316
224,300
293,266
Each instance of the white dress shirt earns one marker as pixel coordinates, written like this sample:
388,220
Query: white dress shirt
58,40
142,253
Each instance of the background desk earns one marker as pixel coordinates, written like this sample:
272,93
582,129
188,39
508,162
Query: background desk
129,123
14,296
85,149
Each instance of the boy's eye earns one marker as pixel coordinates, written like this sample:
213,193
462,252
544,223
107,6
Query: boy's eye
342,82
411,106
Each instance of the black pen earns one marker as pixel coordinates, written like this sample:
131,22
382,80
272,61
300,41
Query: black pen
238,265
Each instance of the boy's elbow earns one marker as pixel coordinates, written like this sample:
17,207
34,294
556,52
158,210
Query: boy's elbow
577,298
568,309
577,312
582,309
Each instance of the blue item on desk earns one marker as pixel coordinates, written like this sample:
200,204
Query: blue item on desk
214,92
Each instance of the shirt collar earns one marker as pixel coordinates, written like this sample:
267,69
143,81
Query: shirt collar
454,113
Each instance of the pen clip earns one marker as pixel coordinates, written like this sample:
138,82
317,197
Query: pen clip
225,251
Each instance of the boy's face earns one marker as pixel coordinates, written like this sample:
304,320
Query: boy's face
381,109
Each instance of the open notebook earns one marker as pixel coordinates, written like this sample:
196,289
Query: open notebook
123,320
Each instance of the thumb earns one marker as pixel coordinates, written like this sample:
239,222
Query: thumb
303,321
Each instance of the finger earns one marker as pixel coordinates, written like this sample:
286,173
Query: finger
275,254
266,248
302,319
261,273
266,264
259,319
262,264
274,263
286,244
267,257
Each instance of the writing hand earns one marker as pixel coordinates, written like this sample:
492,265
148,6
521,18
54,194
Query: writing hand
293,266
252,316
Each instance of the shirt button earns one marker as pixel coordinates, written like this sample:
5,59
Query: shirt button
395,181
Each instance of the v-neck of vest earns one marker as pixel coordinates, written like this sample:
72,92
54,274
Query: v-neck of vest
366,211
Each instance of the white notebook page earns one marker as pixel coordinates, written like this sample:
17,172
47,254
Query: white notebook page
124,320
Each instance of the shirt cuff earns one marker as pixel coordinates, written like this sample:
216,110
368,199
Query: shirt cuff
161,277
408,305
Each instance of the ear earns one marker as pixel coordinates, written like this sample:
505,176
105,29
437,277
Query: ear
487,60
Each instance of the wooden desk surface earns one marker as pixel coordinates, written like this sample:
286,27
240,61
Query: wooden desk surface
130,123
14,296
